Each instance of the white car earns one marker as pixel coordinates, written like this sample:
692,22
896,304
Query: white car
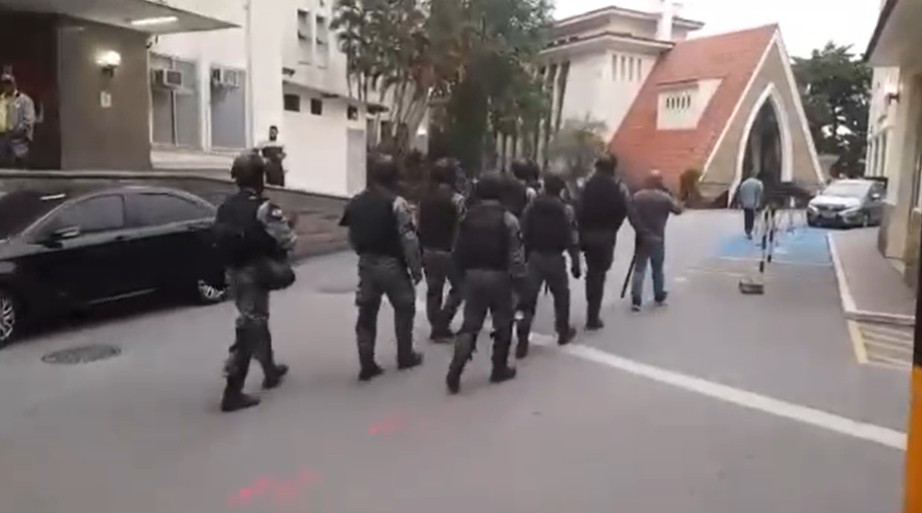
848,203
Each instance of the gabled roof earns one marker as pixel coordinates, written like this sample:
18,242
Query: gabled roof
734,58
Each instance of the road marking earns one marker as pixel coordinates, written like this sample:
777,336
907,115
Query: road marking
861,351
805,415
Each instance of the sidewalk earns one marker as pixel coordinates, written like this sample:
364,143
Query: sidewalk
870,288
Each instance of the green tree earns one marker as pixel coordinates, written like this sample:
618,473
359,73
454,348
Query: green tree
576,147
835,88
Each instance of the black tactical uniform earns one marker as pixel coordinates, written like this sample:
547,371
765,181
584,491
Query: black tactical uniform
248,230
439,214
519,190
603,207
549,230
489,253
381,232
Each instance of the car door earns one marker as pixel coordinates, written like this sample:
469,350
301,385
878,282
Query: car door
80,254
170,232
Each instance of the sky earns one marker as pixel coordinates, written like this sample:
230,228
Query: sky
805,24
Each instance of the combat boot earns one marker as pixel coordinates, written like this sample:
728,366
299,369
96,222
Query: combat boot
370,369
464,352
410,361
274,378
234,399
523,336
502,372
566,336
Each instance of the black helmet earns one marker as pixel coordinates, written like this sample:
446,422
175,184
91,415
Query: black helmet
384,171
525,170
554,185
444,171
607,164
249,170
490,187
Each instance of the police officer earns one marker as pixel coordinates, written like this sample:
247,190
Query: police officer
381,232
603,207
439,214
520,189
489,253
549,230
248,230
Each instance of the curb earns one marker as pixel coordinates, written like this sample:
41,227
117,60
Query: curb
848,301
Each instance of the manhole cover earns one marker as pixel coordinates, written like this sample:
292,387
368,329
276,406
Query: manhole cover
344,288
85,354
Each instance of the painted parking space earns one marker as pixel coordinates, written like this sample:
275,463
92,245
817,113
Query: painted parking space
797,246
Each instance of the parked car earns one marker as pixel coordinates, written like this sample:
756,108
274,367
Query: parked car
848,203
62,250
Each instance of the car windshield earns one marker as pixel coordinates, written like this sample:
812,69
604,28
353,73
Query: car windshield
848,190
19,209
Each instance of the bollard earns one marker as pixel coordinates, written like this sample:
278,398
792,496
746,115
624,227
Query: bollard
913,484
755,285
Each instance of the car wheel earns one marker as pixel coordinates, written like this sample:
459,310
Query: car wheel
866,220
8,318
209,294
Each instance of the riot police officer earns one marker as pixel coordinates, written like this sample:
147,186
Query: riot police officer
439,214
489,252
250,231
381,232
603,207
549,230
520,189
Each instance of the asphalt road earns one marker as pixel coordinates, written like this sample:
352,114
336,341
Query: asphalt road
719,403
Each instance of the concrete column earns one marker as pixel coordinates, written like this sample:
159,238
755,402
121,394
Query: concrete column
265,62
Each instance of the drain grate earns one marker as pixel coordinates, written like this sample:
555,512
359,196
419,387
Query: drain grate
84,354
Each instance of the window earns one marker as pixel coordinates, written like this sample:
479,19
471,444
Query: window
305,37
228,108
292,102
175,107
95,215
316,107
162,209
323,42
352,113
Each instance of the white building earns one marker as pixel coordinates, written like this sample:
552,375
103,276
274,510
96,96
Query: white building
281,68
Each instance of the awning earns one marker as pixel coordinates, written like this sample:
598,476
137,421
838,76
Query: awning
897,40
152,16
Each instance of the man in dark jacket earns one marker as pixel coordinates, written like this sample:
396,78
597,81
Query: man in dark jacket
603,207
549,230
520,188
381,232
489,252
248,228
440,212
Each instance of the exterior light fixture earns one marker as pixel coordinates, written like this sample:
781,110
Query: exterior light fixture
109,61
147,22
893,94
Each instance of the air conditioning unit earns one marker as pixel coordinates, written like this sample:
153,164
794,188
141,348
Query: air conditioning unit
167,78
226,78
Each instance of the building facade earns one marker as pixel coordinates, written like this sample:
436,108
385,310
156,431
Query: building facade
724,106
895,129
197,82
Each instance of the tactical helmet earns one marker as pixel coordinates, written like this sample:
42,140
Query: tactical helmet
490,187
249,170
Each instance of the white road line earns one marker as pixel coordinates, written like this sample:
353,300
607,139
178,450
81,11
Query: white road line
805,415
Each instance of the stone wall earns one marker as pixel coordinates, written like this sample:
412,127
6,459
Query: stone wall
911,254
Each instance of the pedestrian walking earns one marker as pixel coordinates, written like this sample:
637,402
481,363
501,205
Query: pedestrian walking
254,237
549,230
489,253
602,209
652,206
750,195
17,124
440,213
381,232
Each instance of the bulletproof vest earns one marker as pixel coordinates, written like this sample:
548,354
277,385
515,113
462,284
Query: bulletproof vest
238,234
373,225
515,197
438,220
547,228
483,239
602,206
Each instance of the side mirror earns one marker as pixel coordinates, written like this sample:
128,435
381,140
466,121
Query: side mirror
876,196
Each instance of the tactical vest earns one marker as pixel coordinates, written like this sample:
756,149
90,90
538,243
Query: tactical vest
602,205
373,225
238,234
438,220
547,228
483,239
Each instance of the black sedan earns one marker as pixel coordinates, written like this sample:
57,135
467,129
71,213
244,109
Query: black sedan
65,250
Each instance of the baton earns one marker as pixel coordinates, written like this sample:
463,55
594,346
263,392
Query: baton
630,272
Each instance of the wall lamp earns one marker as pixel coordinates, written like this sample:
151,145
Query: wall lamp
892,95
109,61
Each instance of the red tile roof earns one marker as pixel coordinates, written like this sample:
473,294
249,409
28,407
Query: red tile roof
732,57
